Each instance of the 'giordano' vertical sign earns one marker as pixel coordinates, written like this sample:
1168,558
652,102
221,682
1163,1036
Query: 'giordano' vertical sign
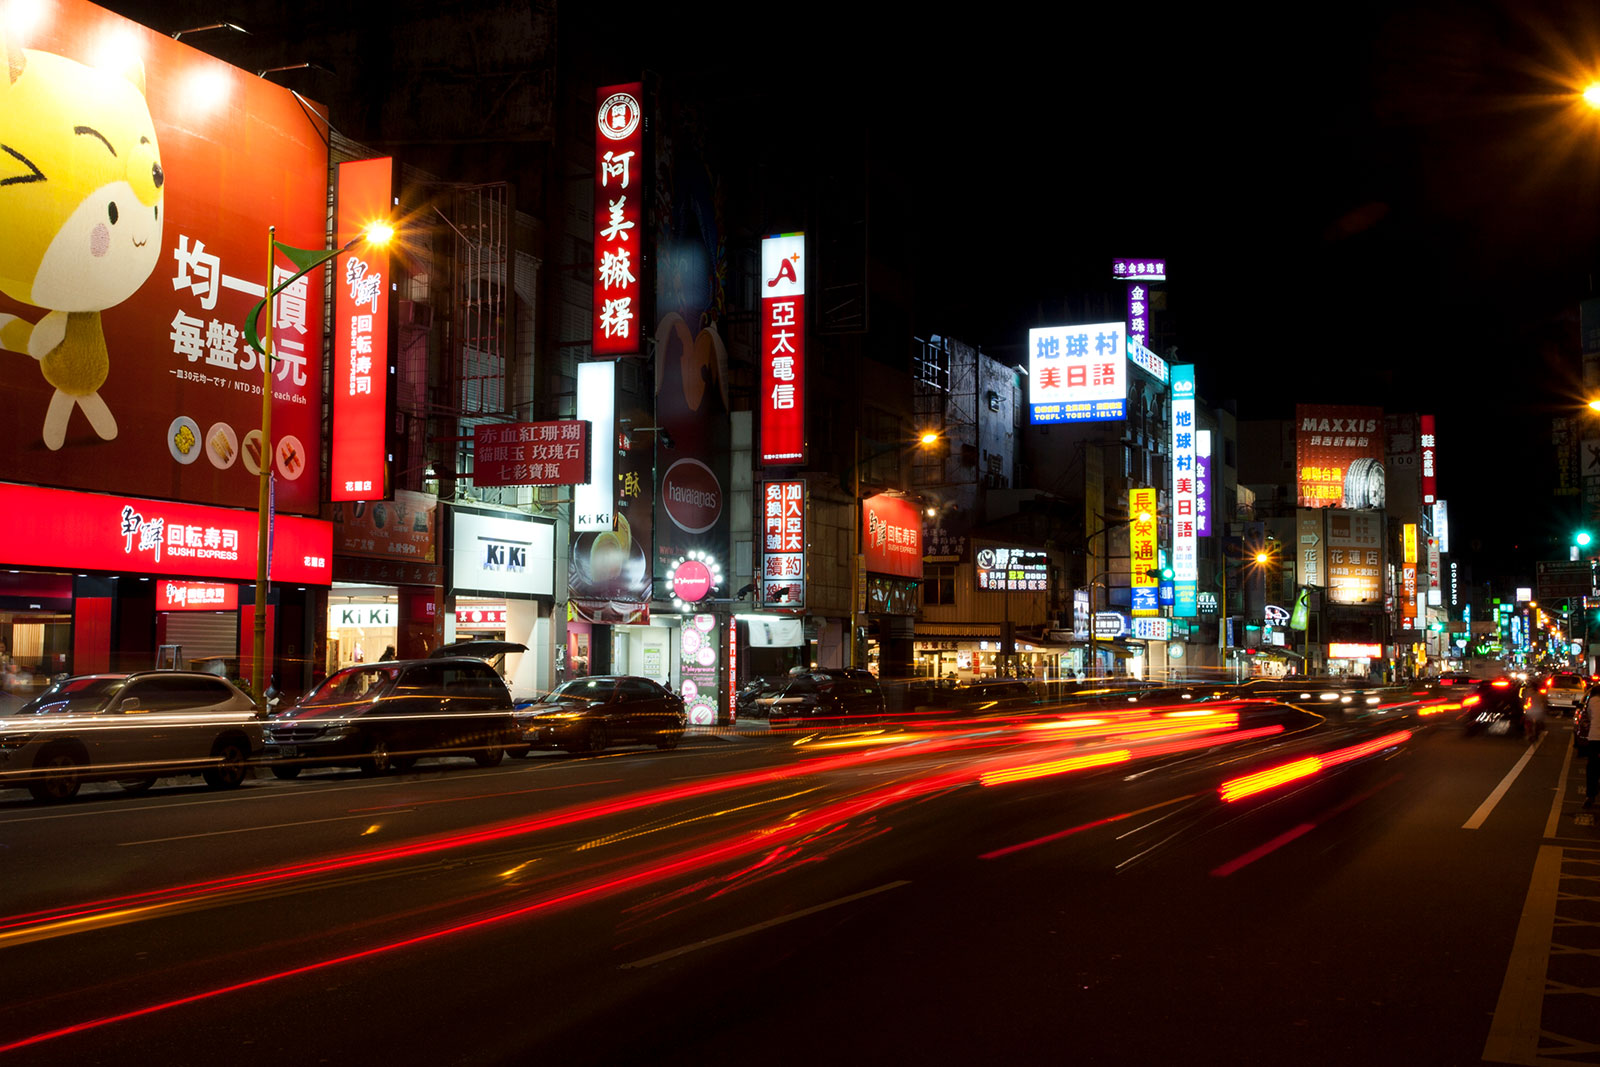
1185,497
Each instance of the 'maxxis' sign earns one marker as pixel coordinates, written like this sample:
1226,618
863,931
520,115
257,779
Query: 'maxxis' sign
783,350
619,200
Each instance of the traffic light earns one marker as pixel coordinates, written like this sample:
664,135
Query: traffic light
1436,626
1583,539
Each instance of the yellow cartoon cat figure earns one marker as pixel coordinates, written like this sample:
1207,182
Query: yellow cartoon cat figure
80,217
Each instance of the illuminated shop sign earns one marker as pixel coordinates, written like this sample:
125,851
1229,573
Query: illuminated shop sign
1185,495
491,554
1429,481
361,378
783,350
1078,373
620,190
1202,483
1354,650
92,531
481,619
366,616
531,453
693,578
1151,629
1109,624
1143,551
1013,569
698,669
196,596
1150,270
891,536
1339,456
593,501
783,542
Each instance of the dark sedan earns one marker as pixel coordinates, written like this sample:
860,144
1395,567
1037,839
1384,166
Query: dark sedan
592,714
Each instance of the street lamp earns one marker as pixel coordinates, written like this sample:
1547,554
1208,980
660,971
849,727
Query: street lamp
308,260
1591,95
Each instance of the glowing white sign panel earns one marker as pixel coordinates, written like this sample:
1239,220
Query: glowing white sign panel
1078,373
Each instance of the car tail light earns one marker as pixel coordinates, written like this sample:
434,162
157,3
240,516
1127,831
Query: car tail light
1501,683
1471,700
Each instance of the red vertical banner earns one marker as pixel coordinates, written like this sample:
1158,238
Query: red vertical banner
783,350
361,379
619,202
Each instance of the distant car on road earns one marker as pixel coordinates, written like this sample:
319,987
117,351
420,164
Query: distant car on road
390,714
1492,706
823,697
1563,692
130,728
591,714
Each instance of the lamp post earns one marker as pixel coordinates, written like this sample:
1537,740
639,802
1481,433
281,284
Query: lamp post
1094,640
307,260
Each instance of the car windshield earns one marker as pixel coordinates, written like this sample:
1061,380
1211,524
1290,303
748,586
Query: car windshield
73,696
581,689
351,684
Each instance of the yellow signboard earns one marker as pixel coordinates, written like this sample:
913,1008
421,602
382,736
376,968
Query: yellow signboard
1143,557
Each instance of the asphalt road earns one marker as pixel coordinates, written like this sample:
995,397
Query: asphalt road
1032,891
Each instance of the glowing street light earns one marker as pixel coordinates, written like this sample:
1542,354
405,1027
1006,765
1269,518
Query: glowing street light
307,260
1591,95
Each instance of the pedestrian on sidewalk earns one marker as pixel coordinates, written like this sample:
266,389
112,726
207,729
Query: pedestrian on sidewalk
1586,739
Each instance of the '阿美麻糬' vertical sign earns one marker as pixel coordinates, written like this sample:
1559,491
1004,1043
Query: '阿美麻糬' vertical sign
783,350
619,202
359,457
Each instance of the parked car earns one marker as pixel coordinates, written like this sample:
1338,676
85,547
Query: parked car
131,728
1563,692
981,696
390,714
823,697
591,714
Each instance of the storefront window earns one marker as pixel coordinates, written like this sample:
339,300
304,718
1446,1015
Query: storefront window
939,583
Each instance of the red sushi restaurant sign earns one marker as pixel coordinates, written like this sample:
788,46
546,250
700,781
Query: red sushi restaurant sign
891,536
94,531
361,336
531,453
196,596
619,202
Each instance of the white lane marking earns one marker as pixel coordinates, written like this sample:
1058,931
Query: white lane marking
1514,1033
1481,816
651,961
1561,789
253,829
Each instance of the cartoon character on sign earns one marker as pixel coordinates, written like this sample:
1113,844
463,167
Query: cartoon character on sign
80,217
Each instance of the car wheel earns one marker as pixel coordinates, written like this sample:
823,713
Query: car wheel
376,761
490,757
62,770
521,753
403,763
668,739
286,773
596,738
136,785
230,770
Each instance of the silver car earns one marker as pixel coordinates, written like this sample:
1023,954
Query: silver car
129,728
1564,691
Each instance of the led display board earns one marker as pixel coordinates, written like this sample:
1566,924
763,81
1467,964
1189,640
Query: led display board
1078,373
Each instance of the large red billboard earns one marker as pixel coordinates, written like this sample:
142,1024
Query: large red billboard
891,536
1338,453
137,184
92,531
361,379
619,203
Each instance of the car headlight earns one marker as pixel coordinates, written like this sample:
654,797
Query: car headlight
335,728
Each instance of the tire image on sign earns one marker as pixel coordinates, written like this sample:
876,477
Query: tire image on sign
1364,485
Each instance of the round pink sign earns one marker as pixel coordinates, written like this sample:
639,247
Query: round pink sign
691,581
